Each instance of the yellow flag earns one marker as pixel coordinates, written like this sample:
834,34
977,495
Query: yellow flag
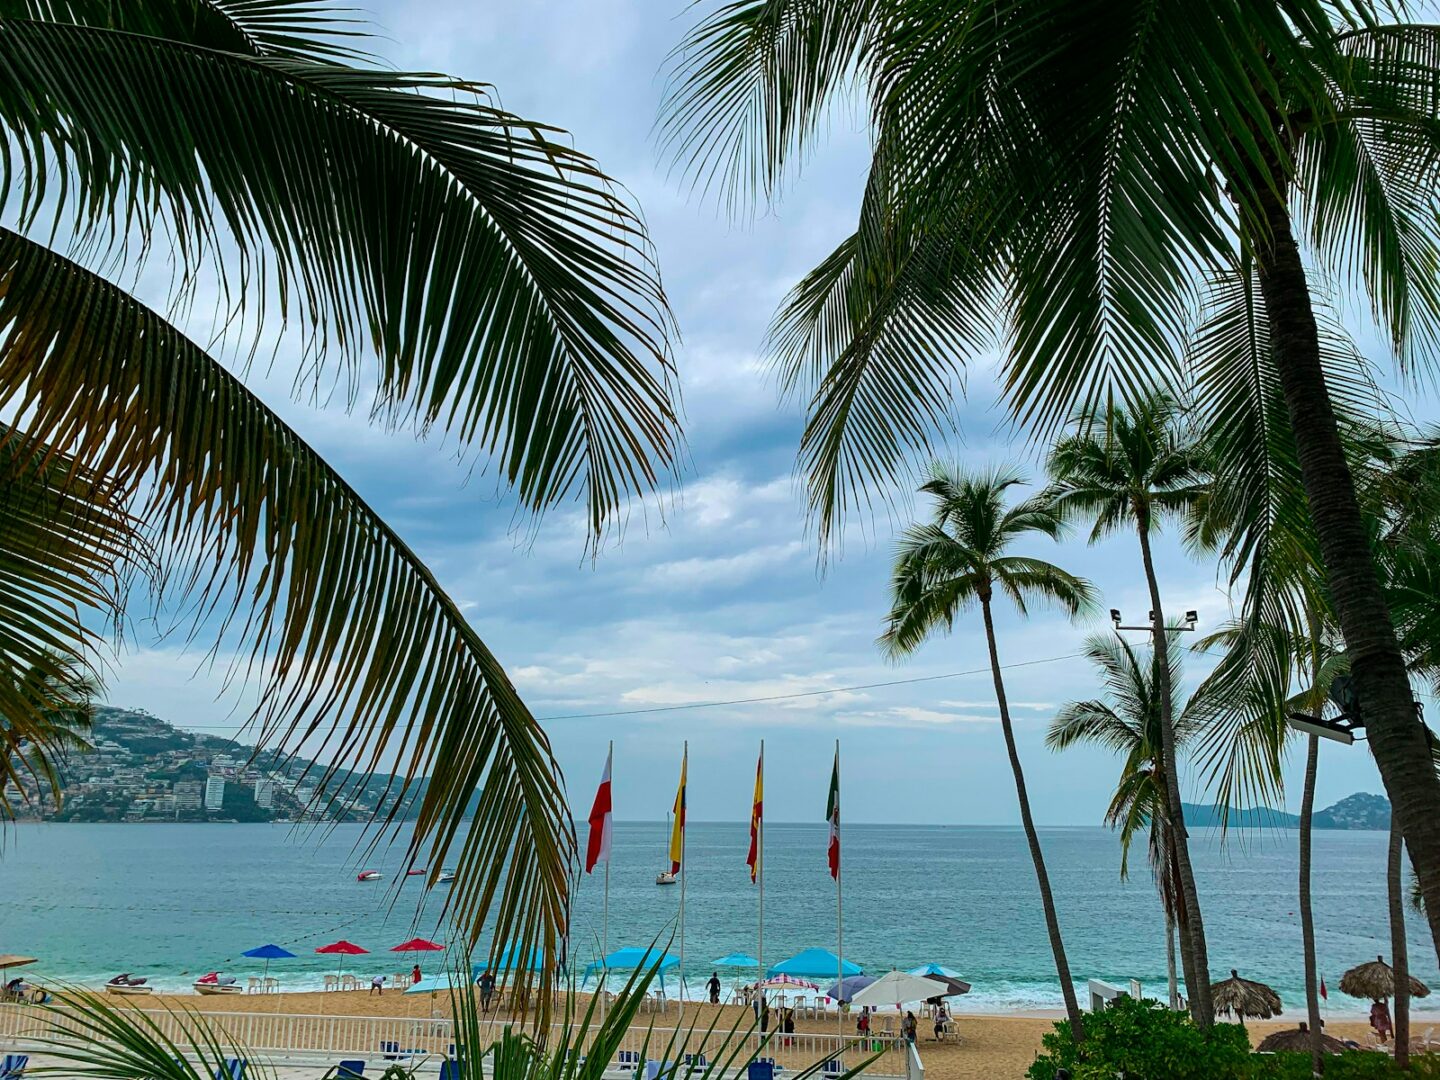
677,831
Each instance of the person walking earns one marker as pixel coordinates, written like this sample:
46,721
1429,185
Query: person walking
714,987
487,990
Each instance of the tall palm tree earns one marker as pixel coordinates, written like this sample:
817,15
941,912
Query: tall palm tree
959,559
52,722
394,234
1133,470
1064,178
1127,720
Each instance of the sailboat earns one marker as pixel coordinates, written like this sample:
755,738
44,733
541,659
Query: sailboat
666,877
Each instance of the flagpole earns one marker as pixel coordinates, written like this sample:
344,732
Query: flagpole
684,771
605,920
839,913
760,873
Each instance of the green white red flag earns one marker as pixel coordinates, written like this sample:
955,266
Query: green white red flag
832,814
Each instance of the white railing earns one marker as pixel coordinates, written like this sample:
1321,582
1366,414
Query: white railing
307,1036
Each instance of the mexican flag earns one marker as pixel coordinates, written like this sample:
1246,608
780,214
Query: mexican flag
832,814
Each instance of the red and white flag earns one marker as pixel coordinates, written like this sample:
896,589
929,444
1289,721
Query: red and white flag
832,813
599,846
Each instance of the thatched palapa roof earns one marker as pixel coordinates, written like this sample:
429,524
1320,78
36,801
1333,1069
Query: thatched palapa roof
1376,980
1298,1039
1244,999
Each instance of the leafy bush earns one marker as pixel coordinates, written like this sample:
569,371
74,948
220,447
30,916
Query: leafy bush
1144,1040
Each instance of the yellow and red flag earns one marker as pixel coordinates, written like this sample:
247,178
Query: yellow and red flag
677,831
757,813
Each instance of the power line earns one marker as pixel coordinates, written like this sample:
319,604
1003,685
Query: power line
754,700
803,694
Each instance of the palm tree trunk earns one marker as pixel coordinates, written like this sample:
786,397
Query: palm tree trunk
1307,913
1047,899
1197,970
1376,664
1399,954
1171,984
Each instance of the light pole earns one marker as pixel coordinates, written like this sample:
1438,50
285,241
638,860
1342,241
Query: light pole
1191,618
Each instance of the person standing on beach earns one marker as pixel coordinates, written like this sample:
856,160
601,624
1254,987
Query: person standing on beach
714,987
1380,1020
377,985
910,1028
415,975
487,988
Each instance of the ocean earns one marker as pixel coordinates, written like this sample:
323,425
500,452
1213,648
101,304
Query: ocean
170,902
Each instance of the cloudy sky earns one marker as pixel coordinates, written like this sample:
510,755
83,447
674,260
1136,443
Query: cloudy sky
720,596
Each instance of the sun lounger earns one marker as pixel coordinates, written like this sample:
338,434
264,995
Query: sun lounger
696,1061
761,1070
449,1069
12,1066
628,1060
353,1069
233,1069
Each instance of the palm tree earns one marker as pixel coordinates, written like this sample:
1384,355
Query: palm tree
1127,720
1135,473
393,234
958,560
1065,178
52,721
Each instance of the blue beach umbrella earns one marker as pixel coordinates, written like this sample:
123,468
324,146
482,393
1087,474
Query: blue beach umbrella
268,953
849,987
737,960
511,958
933,968
815,963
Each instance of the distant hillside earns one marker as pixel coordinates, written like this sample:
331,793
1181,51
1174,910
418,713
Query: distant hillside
1359,811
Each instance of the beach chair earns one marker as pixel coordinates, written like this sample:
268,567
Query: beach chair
233,1069
449,1069
833,1068
332,982
697,1061
763,1069
12,1066
252,985
353,1069
271,985
349,982
390,1051
628,1060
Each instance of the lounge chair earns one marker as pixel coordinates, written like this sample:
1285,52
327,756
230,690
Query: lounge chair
12,1066
763,1069
449,1069
390,1051
352,1069
697,1061
833,1068
233,1069
628,1060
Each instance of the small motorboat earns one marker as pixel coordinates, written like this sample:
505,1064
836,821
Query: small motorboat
446,876
128,985
368,875
665,877
213,984
416,872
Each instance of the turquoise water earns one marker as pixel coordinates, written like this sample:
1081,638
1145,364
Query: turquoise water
172,901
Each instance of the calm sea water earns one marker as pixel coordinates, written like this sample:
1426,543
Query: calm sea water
172,901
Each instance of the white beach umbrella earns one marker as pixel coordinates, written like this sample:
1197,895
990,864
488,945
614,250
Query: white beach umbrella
898,986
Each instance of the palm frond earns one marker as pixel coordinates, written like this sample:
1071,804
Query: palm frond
518,308
359,652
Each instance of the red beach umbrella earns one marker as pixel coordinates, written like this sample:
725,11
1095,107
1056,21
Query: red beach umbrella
419,944
341,948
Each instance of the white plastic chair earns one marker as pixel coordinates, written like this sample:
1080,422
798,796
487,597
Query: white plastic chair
332,982
253,986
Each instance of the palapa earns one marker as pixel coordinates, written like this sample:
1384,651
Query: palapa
1376,980
1298,1039
1244,999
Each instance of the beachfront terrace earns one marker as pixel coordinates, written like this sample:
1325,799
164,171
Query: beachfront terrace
310,1043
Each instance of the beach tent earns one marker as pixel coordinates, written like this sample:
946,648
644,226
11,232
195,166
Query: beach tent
512,958
818,963
737,960
628,959
895,987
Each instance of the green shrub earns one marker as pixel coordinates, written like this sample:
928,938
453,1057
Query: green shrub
1144,1040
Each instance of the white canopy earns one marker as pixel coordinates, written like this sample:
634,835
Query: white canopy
898,986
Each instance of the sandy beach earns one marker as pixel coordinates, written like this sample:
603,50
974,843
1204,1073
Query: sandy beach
994,1047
